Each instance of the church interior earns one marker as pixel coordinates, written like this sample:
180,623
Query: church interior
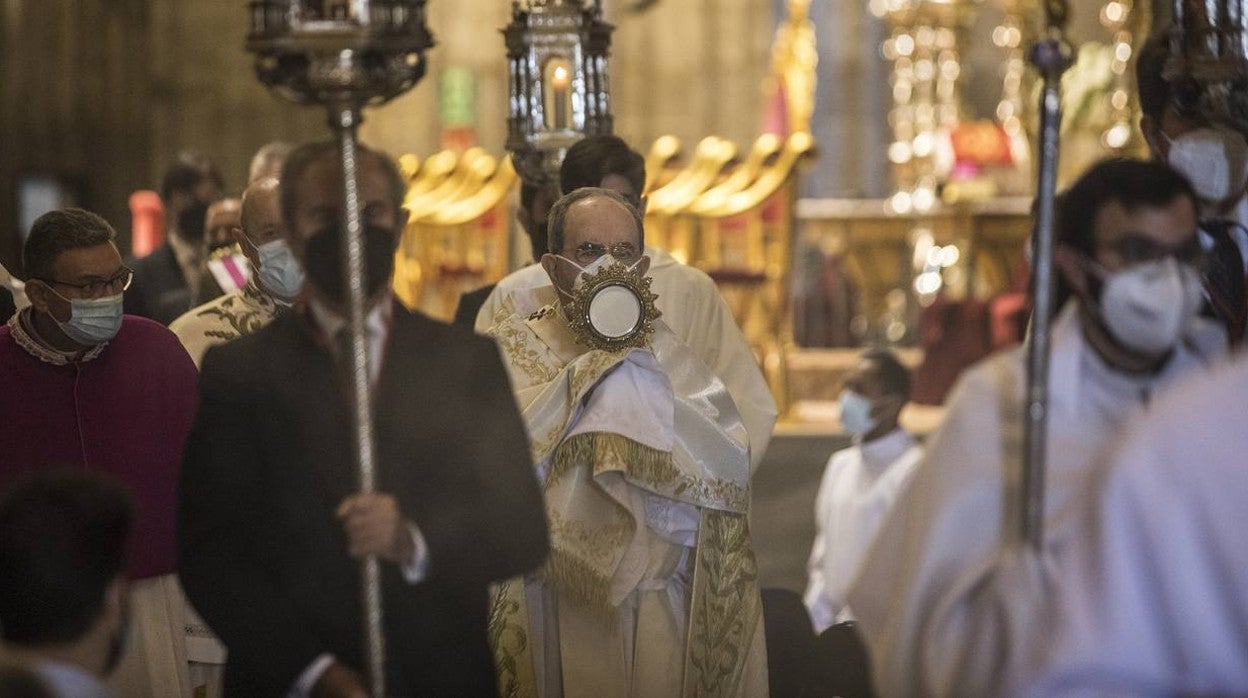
851,174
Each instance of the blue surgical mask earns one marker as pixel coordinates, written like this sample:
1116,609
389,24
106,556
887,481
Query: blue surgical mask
856,413
279,272
92,320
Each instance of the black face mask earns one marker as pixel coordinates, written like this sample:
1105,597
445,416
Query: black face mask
324,261
191,221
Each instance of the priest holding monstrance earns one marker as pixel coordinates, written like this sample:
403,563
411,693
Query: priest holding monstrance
651,586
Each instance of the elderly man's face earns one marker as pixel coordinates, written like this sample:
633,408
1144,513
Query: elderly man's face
222,219
261,219
592,226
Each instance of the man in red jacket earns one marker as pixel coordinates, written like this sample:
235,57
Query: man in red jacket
82,385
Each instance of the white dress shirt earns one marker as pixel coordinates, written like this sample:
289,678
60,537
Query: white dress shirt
377,325
1153,595
859,487
941,603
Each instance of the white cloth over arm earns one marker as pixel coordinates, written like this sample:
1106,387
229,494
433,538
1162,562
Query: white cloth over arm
1153,598
692,307
944,608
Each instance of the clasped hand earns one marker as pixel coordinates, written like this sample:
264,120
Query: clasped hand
375,526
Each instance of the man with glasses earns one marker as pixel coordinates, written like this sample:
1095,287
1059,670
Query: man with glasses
1215,160
82,385
644,464
946,604
690,301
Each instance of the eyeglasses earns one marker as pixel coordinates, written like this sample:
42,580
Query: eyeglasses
1139,249
589,252
97,289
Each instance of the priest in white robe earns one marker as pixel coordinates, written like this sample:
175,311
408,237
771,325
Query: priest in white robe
651,589
689,300
1153,595
945,603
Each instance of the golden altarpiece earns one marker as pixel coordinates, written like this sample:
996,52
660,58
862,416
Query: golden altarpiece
734,210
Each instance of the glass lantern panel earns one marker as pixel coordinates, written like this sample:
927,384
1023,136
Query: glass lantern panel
557,100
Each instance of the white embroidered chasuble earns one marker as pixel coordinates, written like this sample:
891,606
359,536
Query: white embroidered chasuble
651,588
222,319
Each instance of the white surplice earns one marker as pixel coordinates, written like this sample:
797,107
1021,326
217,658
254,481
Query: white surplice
693,308
1153,595
859,486
938,599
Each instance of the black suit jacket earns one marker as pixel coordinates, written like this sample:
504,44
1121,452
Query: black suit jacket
159,291
263,558
470,304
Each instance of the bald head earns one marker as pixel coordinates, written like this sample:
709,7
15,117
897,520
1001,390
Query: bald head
268,161
262,214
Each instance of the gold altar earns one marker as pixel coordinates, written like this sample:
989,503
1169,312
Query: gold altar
734,210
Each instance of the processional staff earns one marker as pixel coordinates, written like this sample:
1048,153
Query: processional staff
344,55
1051,56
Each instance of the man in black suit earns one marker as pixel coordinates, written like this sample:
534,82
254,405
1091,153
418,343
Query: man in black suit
535,203
165,281
270,525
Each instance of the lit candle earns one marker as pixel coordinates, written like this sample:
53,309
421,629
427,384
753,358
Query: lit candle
559,81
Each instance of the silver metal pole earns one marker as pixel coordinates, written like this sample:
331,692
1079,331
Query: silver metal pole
345,122
1051,57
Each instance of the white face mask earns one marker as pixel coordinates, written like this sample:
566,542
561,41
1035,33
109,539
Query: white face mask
280,272
1214,160
856,413
92,320
1150,307
597,265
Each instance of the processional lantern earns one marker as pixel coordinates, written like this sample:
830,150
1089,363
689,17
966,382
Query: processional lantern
345,55
1208,63
559,89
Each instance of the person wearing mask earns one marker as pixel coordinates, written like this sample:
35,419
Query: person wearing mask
860,483
1215,160
689,300
167,280
275,281
224,269
535,203
651,588
942,606
271,523
64,606
83,385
